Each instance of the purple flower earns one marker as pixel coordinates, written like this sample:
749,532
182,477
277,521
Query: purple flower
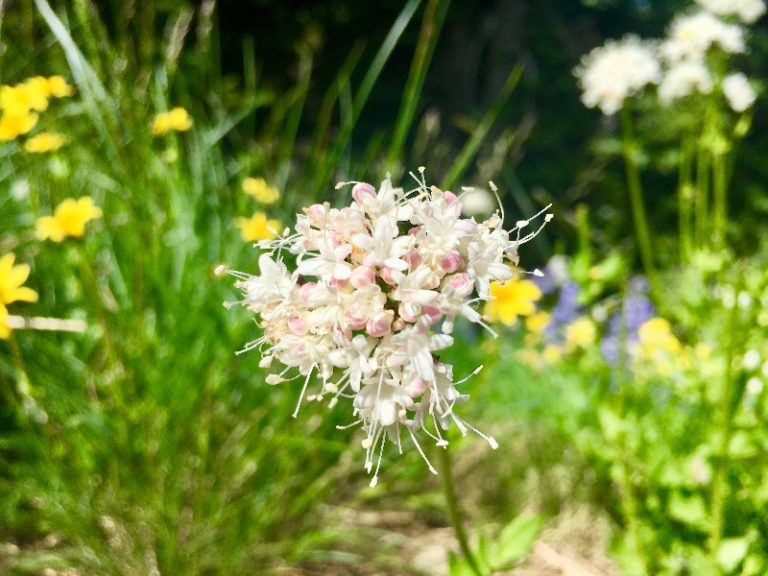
635,310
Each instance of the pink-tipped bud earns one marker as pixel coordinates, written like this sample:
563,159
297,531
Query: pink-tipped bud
465,226
398,324
315,213
432,313
362,276
385,273
415,387
461,283
380,323
339,283
412,258
450,197
307,289
297,325
413,231
452,262
402,311
361,189
354,322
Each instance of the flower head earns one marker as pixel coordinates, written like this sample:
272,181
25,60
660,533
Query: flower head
615,71
14,125
738,92
691,36
177,119
684,78
259,189
12,279
513,298
44,142
257,227
69,219
748,10
373,298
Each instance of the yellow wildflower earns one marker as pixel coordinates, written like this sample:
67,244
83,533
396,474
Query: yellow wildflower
513,298
552,353
537,322
68,220
177,119
44,142
57,87
5,330
259,189
257,227
19,100
580,333
13,125
656,335
11,280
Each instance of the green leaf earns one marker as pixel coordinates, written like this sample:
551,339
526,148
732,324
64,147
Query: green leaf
689,510
458,566
515,540
732,552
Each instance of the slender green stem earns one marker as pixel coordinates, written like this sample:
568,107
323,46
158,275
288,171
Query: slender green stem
685,197
454,511
726,431
719,207
636,197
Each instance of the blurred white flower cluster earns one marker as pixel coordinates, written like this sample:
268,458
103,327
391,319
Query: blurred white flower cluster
679,64
374,294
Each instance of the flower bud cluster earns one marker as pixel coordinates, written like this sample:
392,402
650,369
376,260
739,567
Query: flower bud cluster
374,294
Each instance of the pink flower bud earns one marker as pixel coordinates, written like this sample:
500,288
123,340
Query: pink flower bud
398,324
402,311
380,323
432,313
361,189
465,226
354,322
307,289
450,197
315,213
362,276
461,283
412,258
452,262
415,387
297,325
415,230
385,273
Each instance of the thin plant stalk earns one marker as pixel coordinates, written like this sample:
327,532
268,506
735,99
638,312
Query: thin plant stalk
725,433
636,198
454,511
685,198
719,200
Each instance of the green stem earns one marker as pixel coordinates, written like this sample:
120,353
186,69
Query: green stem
454,511
685,197
726,431
636,197
719,208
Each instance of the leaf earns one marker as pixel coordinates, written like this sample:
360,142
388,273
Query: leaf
689,510
515,540
458,566
732,552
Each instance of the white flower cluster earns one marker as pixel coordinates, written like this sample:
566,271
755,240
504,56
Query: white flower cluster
611,73
747,10
376,289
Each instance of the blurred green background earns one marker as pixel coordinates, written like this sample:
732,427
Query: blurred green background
144,445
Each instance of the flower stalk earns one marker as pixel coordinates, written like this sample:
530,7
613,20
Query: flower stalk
454,510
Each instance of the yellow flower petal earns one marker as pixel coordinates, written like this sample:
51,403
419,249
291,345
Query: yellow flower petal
44,142
11,280
259,189
257,227
177,119
14,125
5,330
69,219
515,297
58,87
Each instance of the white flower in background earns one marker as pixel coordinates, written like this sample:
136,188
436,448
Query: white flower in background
748,10
372,284
611,73
691,36
477,201
738,92
683,78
